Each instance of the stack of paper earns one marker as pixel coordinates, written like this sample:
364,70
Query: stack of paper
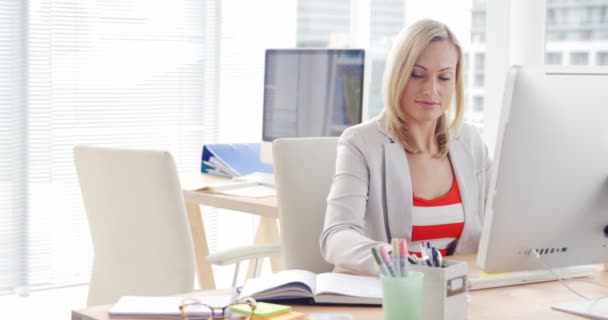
164,307
242,189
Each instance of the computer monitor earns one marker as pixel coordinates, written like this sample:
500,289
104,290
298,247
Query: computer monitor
549,184
311,93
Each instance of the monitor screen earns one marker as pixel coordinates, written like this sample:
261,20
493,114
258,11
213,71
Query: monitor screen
548,191
312,92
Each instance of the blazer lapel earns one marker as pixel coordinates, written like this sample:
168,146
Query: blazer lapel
398,192
462,164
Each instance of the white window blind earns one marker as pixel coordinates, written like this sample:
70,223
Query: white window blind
12,170
126,73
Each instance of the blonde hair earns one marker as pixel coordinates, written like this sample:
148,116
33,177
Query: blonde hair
399,65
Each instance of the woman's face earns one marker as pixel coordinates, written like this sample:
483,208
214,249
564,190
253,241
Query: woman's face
429,90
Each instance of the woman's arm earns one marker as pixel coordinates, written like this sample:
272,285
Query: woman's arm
343,240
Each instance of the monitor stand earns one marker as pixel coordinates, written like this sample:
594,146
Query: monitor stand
593,309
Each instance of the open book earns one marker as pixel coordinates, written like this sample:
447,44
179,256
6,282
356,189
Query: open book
332,288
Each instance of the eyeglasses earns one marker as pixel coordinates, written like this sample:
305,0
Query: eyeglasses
194,309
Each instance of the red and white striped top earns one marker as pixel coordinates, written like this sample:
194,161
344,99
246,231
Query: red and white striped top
438,220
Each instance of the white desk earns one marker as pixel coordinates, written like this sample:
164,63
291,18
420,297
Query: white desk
266,208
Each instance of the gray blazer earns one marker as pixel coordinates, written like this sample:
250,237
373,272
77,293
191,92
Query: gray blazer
370,200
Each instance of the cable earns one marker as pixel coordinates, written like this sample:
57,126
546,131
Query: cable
544,265
556,276
589,281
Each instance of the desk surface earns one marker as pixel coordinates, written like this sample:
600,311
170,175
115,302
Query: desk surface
530,301
191,184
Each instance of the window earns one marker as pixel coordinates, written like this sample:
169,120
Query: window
579,58
551,17
387,19
372,25
579,25
480,61
476,116
12,170
465,67
478,104
132,74
475,64
478,24
553,58
602,59
321,23
479,80
375,87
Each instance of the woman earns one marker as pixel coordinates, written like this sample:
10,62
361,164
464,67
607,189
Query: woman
416,171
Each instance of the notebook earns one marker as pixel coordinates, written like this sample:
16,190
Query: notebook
307,287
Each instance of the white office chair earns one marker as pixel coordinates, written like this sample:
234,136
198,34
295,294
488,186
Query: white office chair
304,170
138,223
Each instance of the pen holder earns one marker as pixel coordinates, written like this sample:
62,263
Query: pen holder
402,297
445,290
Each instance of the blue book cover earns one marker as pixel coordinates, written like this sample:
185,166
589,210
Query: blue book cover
236,159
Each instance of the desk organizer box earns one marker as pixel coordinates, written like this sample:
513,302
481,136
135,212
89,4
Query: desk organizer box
445,291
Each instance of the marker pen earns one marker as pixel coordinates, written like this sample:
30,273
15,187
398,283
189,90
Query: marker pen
387,259
379,262
424,255
395,256
402,257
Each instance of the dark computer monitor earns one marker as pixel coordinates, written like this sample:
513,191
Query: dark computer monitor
311,93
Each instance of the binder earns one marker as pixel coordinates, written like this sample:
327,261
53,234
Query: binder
233,160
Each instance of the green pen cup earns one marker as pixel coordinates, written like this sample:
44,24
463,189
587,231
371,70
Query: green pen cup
402,298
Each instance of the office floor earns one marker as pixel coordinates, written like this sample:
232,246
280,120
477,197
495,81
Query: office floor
57,304
53,304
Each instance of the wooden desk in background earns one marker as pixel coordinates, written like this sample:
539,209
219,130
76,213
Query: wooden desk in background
266,208
531,301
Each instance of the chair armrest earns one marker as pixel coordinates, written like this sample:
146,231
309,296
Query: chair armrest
238,254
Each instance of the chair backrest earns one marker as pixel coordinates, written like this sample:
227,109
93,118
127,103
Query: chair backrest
138,223
304,170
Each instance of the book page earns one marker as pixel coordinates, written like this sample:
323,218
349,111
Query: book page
284,284
340,284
